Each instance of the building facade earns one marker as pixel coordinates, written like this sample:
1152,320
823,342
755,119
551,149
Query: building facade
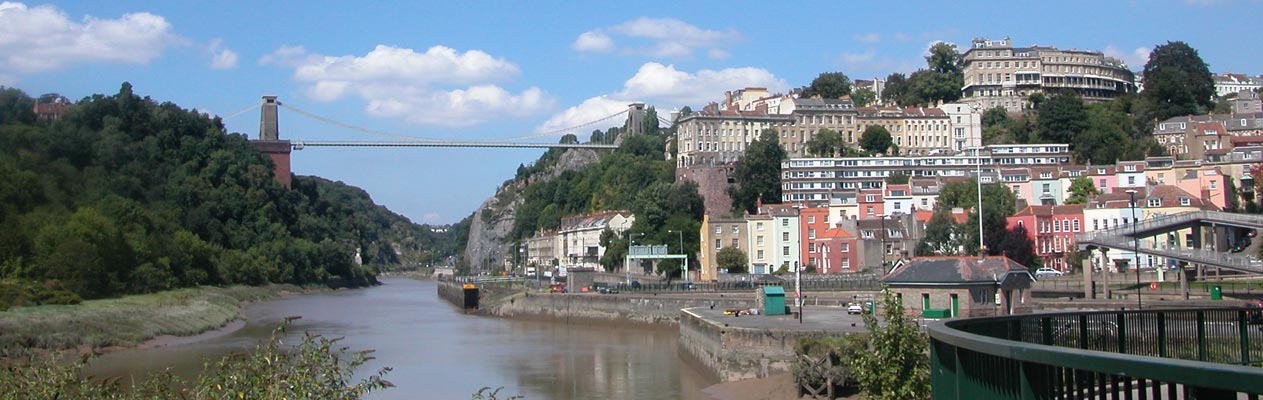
997,74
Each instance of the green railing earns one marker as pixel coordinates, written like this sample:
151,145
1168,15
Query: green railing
1149,354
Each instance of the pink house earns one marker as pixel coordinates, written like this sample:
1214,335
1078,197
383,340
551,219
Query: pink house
1103,178
1205,182
1051,229
813,222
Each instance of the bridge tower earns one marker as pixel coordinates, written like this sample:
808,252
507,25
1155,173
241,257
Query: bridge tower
270,143
635,119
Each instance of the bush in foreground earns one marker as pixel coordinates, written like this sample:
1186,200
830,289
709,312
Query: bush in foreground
317,368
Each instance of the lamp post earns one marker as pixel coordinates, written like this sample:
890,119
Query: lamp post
627,263
883,244
683,261
1135,244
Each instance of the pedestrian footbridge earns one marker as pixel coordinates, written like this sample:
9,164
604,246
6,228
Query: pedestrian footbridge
1212,230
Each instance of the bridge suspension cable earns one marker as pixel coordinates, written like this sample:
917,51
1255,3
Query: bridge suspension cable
239,112
556,132
355,128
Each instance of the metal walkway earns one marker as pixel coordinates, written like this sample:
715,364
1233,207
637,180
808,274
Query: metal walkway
1121,238
300,144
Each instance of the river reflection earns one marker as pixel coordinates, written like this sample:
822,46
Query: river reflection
438,353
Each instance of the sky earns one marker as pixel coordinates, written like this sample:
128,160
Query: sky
481,70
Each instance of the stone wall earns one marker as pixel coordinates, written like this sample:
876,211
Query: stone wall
712,184
734,353
644,309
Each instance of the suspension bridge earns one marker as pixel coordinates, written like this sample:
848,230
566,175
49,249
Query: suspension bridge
269,130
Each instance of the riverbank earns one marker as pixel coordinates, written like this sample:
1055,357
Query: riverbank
148,320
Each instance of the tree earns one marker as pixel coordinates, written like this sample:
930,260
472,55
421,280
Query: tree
942,235
896,86
1081,190
876,139
829,143
863,97
897,178
944,58
757,176
1017,246
1177,82
732,259
995,116
1062,118
829,85
896,367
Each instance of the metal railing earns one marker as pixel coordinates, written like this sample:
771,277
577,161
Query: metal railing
1121,238
1150,354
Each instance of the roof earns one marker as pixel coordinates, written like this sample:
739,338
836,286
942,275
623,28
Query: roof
955,270
1048,211
594,220
773,290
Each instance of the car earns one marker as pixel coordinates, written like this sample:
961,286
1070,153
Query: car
1045,271
557,288
855,309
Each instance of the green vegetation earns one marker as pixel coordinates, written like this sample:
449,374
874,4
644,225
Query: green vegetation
1177,82
877,140
129,320
944,237
896,365
123,194
758,174
828,85
940,83
317,368
830,143
821,368
732,259
635,177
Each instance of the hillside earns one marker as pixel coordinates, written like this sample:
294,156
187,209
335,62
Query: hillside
123,194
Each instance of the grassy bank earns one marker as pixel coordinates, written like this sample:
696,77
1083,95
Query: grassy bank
130,320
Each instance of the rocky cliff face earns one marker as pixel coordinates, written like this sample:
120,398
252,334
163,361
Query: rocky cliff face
489,248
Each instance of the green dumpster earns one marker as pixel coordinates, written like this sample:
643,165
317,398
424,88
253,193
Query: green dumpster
773,300
1216,293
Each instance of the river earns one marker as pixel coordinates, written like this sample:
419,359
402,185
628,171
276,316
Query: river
437,352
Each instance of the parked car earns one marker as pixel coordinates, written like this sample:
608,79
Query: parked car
557,288
1045,271
855,309
1254,312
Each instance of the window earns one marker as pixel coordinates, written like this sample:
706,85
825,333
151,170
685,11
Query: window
811,234
844,247
760,254
785,222
868,198
1056,226
1076,225
718,243
1214,184
1095,224
811,247
735,243
811,219
846,263
1155,202
1184,201
719,229
784,236
785,250
870,210
736,228
759,240
1065,225
1047,187
1131,181
758,226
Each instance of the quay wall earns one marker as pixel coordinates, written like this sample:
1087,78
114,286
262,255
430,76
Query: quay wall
736,353
589,307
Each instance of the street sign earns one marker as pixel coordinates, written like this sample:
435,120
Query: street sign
1153,285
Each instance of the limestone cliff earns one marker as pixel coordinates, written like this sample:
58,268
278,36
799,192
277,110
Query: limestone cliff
488,247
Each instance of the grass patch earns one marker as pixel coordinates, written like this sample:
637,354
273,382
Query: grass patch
129,320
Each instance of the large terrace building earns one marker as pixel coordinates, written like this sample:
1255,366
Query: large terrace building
1000,75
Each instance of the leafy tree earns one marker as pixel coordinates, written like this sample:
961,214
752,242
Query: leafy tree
650,123
732,259
896,87
995,116
876,139
16,107
897,178
1036,99
1081,190
942,235
1062,118
828,85
944,58
1177,82
1017,246
863,97
757,175
896,366
829,143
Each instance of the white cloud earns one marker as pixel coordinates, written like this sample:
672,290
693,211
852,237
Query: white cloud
871,37
593,41
221,57
658,37
902,37
1135,59
43,37
440,86
590,110
665,87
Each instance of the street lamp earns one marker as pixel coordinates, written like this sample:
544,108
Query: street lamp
683,261
1135,244
627,263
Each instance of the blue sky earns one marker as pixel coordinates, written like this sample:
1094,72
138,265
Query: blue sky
486,70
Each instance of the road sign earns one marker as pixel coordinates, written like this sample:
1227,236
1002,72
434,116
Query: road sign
1153,285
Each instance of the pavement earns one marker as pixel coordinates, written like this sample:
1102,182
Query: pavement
831,319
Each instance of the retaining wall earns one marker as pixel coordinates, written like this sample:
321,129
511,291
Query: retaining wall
591,307
736,353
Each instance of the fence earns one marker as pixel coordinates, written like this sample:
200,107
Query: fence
1152,354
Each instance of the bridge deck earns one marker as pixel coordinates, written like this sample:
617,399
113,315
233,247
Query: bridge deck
1121,238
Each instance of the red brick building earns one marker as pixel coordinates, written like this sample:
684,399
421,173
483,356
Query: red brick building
1051,229
839,251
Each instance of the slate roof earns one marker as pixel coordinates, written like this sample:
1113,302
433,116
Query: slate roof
954,270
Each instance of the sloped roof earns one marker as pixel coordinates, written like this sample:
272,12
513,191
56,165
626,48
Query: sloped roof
594,220
1048,211
955,270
